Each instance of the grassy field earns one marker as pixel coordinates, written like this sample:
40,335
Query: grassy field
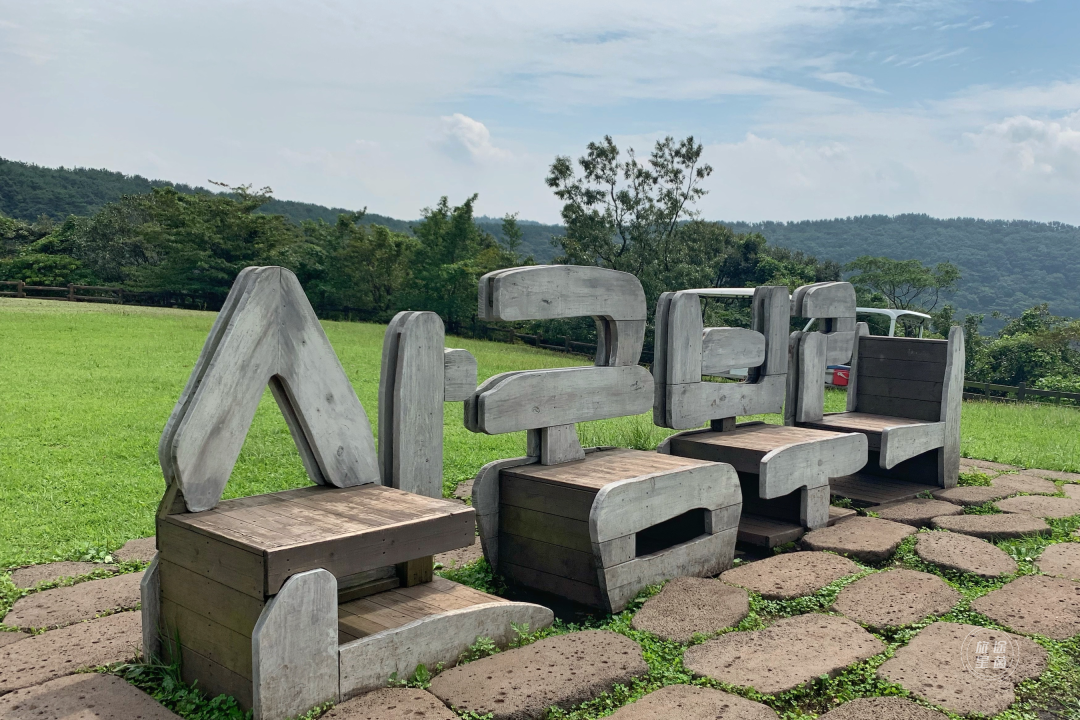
85,391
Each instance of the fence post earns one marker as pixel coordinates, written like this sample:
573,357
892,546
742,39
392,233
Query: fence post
71,292
566,342
1021,391
121,295
987,389
510,336
20,289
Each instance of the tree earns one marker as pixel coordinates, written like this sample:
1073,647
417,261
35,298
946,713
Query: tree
906,284
624,214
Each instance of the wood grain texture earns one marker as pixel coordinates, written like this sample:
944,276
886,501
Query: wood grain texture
294,648
213,678
904,442
548,292
861,331
413,436
685,334
215,642
912,349
724,349
150,597
210,599
485,497
772,317
387,376
556,445
951,400
659,369
545,398
827,300
811,377
692,404
459,374
267,335
810,464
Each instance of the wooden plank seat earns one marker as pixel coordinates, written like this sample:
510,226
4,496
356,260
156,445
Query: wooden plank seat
783,471
598,530
904,395
592,525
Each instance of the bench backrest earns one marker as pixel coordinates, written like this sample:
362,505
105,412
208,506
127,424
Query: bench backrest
685,351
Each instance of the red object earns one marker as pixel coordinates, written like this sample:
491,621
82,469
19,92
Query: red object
840,378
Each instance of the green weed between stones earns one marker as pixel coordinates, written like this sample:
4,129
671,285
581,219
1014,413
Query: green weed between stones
974,479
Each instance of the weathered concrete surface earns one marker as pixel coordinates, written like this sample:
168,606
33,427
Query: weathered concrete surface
791,575
883,708
964,553
29,577
972,495
863,538
86,696
895,597
63,652
917,512
689,605
138,550
685,702
1061,560
393,704
785,655
66,605
1035,604
993,527
524,682
1040,506
938,666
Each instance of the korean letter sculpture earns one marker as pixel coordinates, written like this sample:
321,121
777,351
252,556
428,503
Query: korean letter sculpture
295,598
594,526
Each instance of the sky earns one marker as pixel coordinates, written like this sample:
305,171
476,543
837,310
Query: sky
806,108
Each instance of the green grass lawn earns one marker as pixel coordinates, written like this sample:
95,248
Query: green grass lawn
85,391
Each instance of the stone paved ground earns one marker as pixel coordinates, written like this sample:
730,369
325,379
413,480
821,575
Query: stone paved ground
790,575
1061,560
964,553
863,538
1035,604
692,605
917,511
1040,506
972,495
993,527
883,708
88,696
393,704
895,597
1025,484
683,702
140,550
32,576
66,605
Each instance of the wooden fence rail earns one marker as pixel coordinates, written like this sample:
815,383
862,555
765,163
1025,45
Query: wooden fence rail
986,391
559,343
72,292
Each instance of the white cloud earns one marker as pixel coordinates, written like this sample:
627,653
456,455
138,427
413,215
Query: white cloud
849,80
1047,150
466,139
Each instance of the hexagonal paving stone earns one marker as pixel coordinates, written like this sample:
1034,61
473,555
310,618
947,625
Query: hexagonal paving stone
524,682
1061,560
685,702
993,527
917,512
964,553
689,605
66,605
791,575
939,666
87,695
29,577
62,652
785,655
1035,604
895,597
393,704
138,550
1040,506
972,496
1025,483
866,539
883,708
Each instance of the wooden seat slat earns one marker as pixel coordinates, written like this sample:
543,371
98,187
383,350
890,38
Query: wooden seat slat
601,468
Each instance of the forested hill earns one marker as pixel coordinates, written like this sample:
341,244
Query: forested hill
1006,265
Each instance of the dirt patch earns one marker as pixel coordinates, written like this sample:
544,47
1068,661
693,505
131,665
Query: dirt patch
523,683
393,704
895,597
993,527
964,553
66,605
1035,604
791,575
789,653
939,666
866,539
684,702
63,652
689,605
87,695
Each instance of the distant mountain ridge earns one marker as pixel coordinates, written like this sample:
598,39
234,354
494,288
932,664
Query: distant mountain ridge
1007,266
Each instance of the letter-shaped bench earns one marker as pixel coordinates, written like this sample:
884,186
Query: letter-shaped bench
594,526
784,471
905,395
294,598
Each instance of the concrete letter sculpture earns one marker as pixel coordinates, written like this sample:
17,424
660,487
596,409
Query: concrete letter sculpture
784,472
294,598
598,525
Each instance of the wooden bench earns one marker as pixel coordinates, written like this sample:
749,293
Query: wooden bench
784,472
291,599
595,526
905,396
